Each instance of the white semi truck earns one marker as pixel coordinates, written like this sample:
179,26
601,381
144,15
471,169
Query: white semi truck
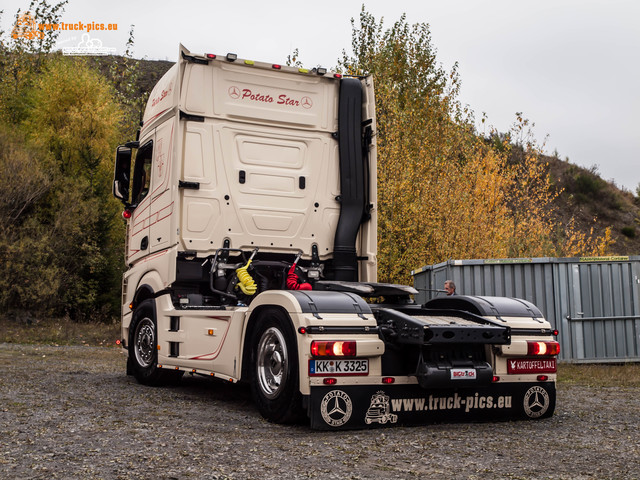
250,201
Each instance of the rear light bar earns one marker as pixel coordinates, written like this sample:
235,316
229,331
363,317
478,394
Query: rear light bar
324,348
541,348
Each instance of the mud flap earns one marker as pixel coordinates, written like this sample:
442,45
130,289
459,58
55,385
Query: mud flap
364,406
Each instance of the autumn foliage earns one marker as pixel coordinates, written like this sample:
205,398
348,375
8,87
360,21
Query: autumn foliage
444,190
60,235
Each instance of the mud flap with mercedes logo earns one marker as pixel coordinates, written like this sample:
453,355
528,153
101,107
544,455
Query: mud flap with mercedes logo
352,407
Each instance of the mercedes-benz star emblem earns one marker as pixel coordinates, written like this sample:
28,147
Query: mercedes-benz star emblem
234,92
336,408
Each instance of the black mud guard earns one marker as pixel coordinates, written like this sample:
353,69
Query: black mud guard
364,406
487,306
318,302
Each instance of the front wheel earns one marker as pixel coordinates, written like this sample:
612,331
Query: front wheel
274,368
143,348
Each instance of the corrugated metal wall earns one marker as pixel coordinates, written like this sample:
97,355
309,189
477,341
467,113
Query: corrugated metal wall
593,302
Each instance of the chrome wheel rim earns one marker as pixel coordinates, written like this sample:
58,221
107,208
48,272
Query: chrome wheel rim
272,362
145,342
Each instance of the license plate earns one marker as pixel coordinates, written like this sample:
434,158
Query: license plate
338,367
531,365
463,374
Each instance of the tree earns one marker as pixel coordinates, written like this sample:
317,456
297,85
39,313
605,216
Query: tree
443,190
60,233
74,117
24,53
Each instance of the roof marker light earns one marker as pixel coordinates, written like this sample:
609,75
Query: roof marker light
321,71
211,56
232,57
276,66
337,75
303,70
249,62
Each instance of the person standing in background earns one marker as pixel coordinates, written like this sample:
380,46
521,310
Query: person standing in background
450,287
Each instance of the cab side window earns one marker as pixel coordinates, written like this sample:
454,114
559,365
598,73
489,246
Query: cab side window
142,173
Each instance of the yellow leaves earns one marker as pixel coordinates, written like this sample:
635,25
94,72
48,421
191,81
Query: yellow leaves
580,244
74,116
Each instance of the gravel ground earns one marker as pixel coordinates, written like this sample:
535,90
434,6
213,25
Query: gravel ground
71,412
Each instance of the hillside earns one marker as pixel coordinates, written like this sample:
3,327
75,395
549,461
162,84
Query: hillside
584,196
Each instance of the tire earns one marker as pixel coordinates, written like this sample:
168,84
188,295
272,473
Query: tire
274,368
143,348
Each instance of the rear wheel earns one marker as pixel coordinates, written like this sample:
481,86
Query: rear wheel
143,348
274,368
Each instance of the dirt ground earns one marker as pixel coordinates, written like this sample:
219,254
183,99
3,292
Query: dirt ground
71,412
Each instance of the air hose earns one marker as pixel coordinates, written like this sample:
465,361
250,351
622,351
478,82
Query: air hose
247,285
293,281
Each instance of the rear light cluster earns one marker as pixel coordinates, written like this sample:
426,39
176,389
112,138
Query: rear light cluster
541,348
326,348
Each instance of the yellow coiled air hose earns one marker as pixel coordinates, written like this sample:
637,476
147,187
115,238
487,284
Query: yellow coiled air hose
247,285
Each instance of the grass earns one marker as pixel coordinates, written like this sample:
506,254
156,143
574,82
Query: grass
600,375
58,331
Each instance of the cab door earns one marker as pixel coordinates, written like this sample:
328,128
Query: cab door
162,204
138,229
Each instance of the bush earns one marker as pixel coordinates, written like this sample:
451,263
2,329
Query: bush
588,184
629,232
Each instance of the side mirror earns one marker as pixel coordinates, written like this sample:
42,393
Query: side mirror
122,174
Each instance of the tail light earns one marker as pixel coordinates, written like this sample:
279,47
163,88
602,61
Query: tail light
323,348
541,348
